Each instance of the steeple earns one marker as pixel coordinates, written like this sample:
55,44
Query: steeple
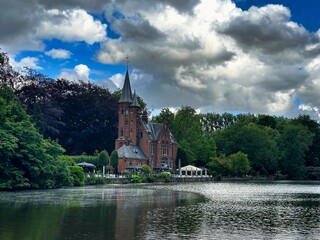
126,94
135,102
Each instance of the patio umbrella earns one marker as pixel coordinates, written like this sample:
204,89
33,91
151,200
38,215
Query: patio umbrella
86,165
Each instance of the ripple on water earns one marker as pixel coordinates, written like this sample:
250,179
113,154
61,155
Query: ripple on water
249,210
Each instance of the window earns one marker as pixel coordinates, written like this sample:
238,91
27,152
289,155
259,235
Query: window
126,121
152,149
164,150
141,134
121,133
122,111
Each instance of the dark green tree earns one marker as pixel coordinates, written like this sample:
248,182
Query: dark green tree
312,155
103,159
239,164
114,160
294,143
260,143
27,160
165,116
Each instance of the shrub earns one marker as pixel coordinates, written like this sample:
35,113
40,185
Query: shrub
136,179
77,175
164,177
93,180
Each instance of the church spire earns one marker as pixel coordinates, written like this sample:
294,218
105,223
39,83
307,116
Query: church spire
126,93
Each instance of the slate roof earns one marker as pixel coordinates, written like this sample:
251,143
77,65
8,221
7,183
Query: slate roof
154,131
126,93
131,152
135,102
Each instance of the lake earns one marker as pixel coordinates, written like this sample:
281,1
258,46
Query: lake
235,210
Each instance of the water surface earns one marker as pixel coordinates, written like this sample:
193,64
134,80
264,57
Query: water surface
276,210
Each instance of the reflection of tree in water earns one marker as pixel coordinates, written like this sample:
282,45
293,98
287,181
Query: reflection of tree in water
92,222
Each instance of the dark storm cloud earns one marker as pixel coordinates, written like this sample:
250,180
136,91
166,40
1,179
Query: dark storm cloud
17,18
267,29
140,31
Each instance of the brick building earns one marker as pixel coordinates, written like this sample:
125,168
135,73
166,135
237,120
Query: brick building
140,141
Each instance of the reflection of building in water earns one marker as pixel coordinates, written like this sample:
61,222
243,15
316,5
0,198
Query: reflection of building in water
139,141
136,209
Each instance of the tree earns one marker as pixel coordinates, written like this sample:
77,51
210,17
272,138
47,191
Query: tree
8,76
220,165
294,142
27,159
103,159
239,164
312,155
260,143
165,116
114,160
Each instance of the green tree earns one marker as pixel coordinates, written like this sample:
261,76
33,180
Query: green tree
165,116
312,155
260,143
114,160
27,160
103,159
294,142
220,165
239,163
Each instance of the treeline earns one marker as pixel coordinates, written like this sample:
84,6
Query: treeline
237,145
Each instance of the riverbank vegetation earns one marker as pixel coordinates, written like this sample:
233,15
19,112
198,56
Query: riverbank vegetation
48,125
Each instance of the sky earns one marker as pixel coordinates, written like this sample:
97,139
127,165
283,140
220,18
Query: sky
240,56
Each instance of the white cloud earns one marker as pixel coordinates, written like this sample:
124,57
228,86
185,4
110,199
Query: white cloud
30,23
117,79
79,72
29,62
82,71
71,25
58,53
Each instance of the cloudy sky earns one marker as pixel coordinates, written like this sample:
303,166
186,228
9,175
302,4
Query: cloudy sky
235,56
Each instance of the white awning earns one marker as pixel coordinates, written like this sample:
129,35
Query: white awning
191,168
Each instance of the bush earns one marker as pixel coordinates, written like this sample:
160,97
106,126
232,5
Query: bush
146,169
164,177
136,179
93,180
77,175
150,178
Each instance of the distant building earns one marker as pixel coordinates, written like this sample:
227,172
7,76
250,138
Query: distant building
139,141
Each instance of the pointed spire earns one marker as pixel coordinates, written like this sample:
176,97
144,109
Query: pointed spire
126,94
135,102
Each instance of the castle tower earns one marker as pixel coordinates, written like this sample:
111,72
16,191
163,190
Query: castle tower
128,116
123,114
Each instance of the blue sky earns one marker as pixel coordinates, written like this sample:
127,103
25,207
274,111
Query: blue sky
253,56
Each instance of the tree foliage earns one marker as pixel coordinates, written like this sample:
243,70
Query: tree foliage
27,159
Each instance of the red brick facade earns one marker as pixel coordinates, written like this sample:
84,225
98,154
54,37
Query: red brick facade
141,142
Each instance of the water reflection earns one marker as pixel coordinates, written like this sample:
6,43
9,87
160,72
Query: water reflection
87,213
284,210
